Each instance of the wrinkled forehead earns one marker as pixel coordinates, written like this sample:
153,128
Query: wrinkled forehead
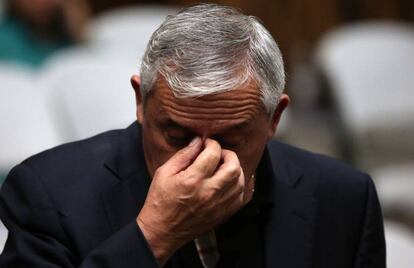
209,113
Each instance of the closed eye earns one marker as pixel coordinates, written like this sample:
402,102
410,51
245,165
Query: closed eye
226,144
178,141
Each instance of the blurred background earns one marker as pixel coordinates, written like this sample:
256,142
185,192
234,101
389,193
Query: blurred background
63,65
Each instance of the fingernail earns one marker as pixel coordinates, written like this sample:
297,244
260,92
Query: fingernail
194,141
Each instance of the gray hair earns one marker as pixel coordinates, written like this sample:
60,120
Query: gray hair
209,49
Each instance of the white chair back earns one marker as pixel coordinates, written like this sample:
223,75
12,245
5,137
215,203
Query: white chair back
400,245
369,69
3,236
395,184
125,32
26,127
89,95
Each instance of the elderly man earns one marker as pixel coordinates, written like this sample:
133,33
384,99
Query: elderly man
195,182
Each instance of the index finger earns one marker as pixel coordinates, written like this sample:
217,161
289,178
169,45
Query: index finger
184,157
207,161
228,172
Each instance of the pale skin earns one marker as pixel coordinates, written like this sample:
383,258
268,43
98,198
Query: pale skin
201,154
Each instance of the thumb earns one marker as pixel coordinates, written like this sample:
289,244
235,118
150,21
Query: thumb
184,157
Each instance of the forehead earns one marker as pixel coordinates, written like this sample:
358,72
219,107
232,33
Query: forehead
210,113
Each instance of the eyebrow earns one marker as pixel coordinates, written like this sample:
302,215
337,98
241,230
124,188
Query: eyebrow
242,124
169,123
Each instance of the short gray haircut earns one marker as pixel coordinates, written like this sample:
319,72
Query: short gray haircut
209,49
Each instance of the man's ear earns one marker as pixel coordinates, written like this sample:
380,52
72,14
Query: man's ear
284,101
136,84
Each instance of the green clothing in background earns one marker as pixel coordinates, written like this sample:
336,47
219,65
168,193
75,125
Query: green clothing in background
19,45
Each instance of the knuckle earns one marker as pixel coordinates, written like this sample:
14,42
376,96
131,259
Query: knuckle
232,155
233,171
206,197
181,153
213,155
188,183
213,147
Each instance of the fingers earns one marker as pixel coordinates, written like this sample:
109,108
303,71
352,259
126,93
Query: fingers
233,199
228,183
227,175
184,157
207,161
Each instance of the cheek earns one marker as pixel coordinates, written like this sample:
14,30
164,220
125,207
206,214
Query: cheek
156,150
251,153
250,157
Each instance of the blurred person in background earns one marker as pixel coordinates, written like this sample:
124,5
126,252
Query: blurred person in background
31,30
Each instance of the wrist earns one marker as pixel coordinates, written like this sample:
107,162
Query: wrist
160,242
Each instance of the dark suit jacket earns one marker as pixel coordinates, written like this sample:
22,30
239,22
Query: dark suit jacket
75,206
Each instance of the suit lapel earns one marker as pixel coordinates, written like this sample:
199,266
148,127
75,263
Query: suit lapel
289,224
123,200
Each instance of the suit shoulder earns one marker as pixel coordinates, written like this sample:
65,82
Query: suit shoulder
86,149
319,169
75,167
